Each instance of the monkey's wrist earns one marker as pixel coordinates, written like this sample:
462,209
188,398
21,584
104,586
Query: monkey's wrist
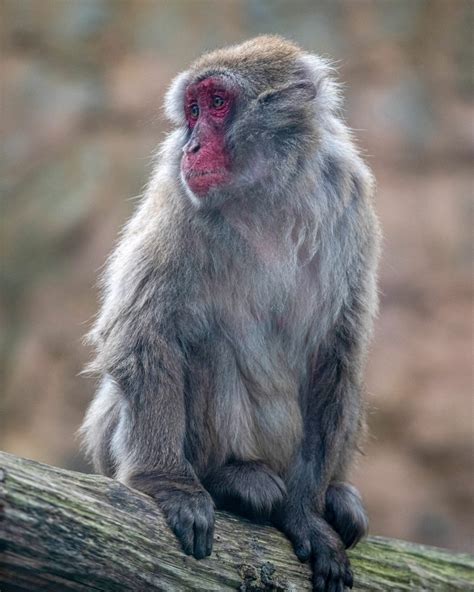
154,481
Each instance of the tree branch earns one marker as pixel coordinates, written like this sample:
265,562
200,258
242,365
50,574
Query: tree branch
61,530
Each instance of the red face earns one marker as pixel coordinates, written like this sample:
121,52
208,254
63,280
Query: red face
206,162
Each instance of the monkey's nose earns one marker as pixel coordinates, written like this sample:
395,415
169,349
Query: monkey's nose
192,147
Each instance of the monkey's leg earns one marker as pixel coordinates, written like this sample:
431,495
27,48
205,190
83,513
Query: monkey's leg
249,488
313,539
345,512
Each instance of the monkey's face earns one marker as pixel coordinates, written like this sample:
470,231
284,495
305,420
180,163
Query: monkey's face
237,143
248,122
206,161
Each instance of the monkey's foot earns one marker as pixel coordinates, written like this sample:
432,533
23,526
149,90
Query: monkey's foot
315,541
345,512
249,488
188,509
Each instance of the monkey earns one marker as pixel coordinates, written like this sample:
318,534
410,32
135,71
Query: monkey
237,310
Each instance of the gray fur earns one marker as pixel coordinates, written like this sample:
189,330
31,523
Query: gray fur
236,329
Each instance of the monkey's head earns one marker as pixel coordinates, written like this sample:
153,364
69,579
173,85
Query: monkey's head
248,116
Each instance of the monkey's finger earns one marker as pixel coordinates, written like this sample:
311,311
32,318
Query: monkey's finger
322,570
336,586
319,583
184,531
332,581
303,549
200,537
336,571
186,539
209,538
348,578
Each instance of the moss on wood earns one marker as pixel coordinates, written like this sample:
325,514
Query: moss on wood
61,531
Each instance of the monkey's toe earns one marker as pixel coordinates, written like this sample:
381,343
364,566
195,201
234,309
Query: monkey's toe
331,570
314,540
330,564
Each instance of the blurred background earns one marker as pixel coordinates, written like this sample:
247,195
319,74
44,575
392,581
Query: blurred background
81,87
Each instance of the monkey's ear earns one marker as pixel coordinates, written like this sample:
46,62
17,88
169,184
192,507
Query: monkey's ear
321,72
293,94
174,99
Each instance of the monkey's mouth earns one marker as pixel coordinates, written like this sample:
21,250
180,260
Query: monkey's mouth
201,181
194,174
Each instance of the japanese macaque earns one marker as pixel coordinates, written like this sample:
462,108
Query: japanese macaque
237,310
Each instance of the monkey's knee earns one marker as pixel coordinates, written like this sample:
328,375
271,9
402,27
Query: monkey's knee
345,512
248,488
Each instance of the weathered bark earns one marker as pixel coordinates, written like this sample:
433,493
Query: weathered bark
61,530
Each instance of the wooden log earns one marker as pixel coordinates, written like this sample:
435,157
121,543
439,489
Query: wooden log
61,530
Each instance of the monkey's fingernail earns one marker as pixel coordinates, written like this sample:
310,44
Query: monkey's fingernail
319,584
349,579
303,552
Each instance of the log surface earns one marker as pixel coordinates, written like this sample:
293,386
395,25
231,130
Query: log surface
61,531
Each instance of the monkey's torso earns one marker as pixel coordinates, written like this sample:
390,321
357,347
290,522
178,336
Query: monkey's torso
248,317
249,305
247,365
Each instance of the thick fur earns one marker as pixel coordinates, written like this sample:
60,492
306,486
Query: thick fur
345,513
233,330
249,488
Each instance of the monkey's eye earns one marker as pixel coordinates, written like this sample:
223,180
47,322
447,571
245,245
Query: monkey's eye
194,111
217,102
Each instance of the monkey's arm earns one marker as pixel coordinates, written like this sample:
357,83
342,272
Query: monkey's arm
138,416
334,408
147,444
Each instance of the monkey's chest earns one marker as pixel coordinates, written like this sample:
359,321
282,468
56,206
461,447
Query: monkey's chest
249,368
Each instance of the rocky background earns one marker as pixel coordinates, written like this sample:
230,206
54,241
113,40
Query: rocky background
81,88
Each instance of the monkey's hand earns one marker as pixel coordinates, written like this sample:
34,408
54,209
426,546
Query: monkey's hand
314,540
187,506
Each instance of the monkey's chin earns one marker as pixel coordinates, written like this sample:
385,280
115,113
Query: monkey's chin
208,194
